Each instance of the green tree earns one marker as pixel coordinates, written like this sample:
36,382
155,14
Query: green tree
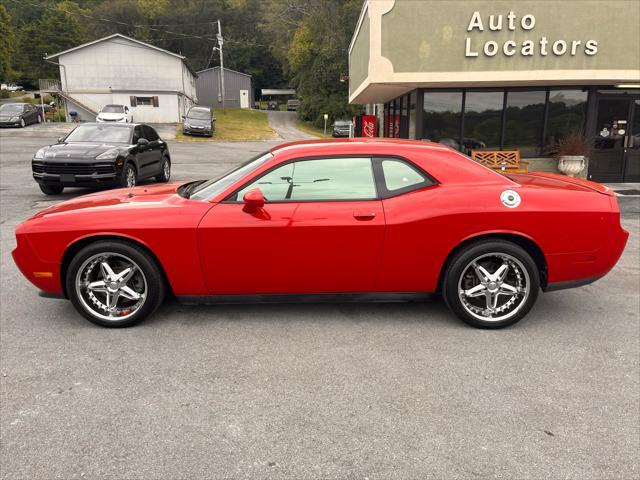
7,46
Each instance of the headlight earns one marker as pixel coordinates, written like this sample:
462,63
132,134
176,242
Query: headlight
14,119
186,125
40,153
110,154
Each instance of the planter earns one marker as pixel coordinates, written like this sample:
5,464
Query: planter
571,165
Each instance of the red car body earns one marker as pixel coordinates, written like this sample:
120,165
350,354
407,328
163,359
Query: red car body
570,226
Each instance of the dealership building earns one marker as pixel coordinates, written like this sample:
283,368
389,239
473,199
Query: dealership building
501,75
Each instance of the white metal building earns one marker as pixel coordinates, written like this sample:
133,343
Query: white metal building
158,85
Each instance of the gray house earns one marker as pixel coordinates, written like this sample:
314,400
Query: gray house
238,88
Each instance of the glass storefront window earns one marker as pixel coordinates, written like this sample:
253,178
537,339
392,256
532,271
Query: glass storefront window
412,115
442,114
482,120
524,121
567,113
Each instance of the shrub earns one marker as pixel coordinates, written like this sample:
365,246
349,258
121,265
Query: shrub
575,143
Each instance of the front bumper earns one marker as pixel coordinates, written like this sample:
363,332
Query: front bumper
76,174
197,131
44,275
4,123
102,120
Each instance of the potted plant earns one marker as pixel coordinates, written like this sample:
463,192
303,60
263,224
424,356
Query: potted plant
571,152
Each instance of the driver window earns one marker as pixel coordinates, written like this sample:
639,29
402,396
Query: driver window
274,185
137,134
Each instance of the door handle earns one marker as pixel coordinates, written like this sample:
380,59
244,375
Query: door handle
364,215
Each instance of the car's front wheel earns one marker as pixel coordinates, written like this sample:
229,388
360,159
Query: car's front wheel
114,284
129,176
491,284
165,173
22,123
51,189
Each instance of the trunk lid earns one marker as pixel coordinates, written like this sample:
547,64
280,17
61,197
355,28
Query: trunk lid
556,181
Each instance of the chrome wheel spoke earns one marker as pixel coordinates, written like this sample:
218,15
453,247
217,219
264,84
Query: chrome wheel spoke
129,293
507,289
107,272
476,291
97,286
481,272
501,273
113,301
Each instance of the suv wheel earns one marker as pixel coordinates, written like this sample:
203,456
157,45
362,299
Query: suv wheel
51,189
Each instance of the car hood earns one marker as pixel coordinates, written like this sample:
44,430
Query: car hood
115,199
111,116
62,151
10,114
197,122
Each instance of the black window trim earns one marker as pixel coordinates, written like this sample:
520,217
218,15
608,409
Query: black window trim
384,192
378,177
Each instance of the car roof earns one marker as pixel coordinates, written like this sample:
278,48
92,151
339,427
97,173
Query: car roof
199,107
359,145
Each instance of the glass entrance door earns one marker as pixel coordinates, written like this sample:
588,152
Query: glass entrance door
616,149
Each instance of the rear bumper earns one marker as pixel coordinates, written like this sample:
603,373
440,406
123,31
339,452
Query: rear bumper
191,131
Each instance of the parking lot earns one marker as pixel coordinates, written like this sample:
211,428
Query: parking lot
312,391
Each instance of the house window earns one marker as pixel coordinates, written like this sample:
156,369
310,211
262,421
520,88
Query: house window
142,101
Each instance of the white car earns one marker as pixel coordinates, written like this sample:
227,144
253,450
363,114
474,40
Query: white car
11,87
115,113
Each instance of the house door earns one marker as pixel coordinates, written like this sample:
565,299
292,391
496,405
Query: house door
244,98
616,149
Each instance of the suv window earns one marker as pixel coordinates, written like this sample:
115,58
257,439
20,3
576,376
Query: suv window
149,133
318,179
399,175
137,133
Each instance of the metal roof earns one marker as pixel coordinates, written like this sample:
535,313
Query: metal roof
226,70
124,37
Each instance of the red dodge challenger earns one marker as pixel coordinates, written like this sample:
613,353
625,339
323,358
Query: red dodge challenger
322,220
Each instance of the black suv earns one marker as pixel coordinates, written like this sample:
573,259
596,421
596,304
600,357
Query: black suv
101,154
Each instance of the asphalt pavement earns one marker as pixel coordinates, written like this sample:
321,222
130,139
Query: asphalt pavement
311,391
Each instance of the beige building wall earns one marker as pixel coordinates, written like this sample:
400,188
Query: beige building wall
433,43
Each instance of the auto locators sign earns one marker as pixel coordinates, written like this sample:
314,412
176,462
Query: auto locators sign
539,45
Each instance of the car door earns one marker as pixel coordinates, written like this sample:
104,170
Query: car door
320,231
27,114
155,148
142,152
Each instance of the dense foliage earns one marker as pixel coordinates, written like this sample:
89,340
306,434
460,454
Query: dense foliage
282,43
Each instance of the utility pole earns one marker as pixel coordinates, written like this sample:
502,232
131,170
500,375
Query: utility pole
220,42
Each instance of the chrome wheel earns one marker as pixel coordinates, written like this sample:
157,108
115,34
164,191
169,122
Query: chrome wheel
131,177
22,124
111,286
494,287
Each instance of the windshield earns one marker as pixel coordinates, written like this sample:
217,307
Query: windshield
199,114
11,107
207,190
113,109
100,133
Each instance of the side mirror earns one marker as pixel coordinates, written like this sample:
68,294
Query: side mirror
253,200
143,142
184,116
60,139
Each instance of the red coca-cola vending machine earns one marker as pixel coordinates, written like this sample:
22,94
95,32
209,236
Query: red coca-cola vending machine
364,126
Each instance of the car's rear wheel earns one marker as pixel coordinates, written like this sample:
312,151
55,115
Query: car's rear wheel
114,284
129,176
51,189
491,284
165,174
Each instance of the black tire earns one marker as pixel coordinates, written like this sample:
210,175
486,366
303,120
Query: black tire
521,270
165,173
155,285
126,172
51,189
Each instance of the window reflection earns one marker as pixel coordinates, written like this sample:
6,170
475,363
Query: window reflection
567,113
442,113
524,120
483,120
